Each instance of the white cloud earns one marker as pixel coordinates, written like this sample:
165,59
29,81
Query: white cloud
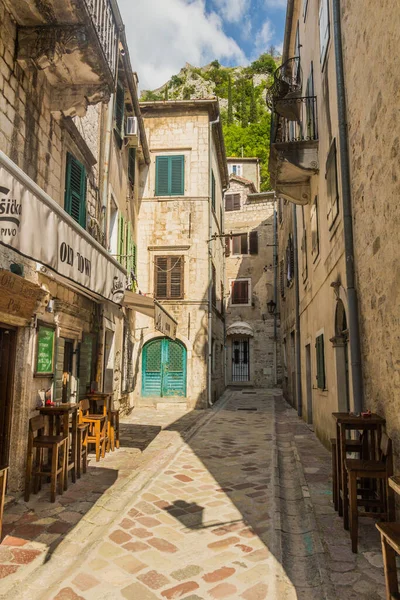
164,34
276,3
263,38
232,11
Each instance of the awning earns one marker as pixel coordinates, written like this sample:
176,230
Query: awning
163,321
240,328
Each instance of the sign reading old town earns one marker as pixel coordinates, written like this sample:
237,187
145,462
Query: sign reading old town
37,227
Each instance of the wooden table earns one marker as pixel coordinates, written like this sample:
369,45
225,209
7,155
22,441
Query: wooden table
59,419
348,422
97,398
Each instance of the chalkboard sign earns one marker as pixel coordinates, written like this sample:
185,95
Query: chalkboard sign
45,350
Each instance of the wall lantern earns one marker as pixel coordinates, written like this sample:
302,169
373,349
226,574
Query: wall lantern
271,306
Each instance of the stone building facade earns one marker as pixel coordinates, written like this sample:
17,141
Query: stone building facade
63,330
252,332
182,260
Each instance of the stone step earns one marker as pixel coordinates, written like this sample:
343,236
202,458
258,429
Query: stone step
172,404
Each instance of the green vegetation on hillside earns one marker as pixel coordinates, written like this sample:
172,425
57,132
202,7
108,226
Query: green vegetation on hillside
241,90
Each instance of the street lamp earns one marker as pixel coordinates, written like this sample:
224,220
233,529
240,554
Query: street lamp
271,306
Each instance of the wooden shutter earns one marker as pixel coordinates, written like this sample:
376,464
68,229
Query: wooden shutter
161,277
119,108
323,28
75,190
228,202
121,240
132,165
236,202
177,183
240,292
320,362
227,246
244,248
253,238
176,277
213,190
162,169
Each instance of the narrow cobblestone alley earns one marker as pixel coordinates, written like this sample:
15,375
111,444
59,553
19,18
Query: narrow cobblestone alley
229,503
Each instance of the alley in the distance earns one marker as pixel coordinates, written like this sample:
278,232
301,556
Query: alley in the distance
234,503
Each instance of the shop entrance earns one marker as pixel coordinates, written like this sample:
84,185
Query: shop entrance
240,359
7,367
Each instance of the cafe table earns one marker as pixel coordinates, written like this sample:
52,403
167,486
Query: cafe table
59,421
372,425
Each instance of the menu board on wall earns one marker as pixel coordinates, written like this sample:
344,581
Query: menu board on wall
45,351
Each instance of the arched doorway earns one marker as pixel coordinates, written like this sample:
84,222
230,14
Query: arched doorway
340,344
164,368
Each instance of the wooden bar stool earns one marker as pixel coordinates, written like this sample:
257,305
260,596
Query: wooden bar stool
113,429
82,443
58,446
97,433
3,486
352,446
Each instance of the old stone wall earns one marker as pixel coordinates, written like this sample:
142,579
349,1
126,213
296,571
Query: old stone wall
373,82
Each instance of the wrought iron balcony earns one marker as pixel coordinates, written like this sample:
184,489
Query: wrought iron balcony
288,83
294,148
75,43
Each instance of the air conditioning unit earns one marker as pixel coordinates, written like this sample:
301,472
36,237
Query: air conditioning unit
131,126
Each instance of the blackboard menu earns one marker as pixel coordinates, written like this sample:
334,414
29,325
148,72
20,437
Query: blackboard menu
45,350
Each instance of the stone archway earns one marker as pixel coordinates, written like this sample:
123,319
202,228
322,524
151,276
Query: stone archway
340,345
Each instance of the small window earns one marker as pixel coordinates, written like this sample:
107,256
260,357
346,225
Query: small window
232,202
253,242
319,345
75,190
239,244
314,230
169,277
324,29
242,243
240,291
170,175
213,190
332,185
235,170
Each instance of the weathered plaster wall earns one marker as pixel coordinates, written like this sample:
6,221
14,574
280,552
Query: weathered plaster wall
373,83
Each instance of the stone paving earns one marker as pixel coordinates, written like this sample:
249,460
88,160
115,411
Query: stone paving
231,503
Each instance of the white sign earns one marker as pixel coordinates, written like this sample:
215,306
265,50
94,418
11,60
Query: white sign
37,227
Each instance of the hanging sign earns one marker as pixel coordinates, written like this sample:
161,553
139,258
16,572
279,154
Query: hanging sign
36,226
45,351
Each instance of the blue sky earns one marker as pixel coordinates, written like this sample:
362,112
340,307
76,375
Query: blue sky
165,34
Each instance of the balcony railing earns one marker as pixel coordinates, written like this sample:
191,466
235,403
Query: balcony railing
103,20
287,80
299,123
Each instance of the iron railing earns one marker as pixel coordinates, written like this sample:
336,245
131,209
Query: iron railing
301,124
287,80
107,32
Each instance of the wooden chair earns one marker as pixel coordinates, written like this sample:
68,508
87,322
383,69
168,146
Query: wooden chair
97,433
390,538
56,444
378,499
3,486
352,446
113,429
82,451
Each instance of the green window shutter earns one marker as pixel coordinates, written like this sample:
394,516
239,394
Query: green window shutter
320,362
177,175
170,175
75,190
131,165
119,108
121,240
162,169
213,190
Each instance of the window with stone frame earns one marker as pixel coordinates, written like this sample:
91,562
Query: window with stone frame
314,229
240,291
332,188
232,202
168,277
242,243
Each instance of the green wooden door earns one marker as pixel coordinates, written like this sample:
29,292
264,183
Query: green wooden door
163,369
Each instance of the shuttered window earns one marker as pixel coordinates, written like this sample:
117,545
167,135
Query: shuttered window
253,242
324,29
75,190
170,175
240,291
232,202
213,190
169,277
131,257
332,185
131,165
239,244
119,109
320,353
121,240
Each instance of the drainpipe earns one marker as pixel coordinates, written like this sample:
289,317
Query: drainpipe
297,315
106,163
275,259
209,378
354,328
